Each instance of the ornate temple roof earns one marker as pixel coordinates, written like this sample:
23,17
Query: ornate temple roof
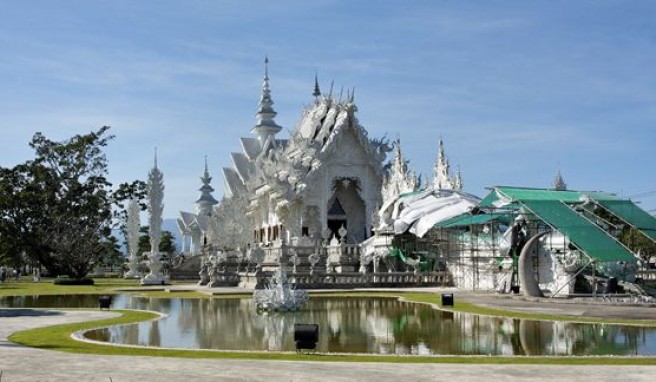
251,147
287,166
243,166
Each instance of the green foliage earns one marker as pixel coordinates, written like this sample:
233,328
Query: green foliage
166,242
122,196
639,243
67,281
57,208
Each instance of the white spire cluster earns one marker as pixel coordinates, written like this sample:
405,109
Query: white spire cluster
559,183
399,179
442,179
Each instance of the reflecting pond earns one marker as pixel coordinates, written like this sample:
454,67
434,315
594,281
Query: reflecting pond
352,325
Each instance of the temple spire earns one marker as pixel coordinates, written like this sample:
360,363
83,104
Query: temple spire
155,160
441,174
316,93
330,93
398,179
266,127
559,183
458,181
205,201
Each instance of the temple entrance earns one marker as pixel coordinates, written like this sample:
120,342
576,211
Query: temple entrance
346,208
336,218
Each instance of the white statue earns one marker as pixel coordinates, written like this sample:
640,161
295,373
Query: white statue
204,271
294,260
132,228
155,209
314,260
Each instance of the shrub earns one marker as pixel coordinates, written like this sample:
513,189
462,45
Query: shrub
67,281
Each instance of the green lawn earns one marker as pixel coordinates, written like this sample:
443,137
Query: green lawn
25,287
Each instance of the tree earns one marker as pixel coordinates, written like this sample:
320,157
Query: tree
639,243
57,208
74,177
166,243
24,213
123,194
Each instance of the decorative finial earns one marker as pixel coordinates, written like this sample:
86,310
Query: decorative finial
458,184
330,93
206,163
266,125
266,66
353,96
155,162
316,93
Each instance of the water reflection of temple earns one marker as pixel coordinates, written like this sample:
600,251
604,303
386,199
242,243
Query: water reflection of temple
370,325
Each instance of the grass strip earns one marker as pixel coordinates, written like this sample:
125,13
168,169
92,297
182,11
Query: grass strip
25,287
464,307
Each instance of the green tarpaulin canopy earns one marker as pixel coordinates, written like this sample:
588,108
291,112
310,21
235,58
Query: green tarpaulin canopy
587,236
467,220
555,209
632,214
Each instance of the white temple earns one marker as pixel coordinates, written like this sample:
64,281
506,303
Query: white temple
314,199
326,176
325,206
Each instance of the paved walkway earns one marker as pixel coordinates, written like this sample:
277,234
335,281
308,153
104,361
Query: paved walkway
19,363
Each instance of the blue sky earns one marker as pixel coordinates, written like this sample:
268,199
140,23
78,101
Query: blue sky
517,89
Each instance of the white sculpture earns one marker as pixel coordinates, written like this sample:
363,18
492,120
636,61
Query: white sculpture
132,228
155,209
314,260
294,260
217,266
399,179
278,296
204,271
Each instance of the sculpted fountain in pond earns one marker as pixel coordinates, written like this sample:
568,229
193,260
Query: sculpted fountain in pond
278,296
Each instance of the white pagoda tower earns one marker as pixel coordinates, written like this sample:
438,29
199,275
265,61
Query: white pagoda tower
206,202
194,226
155,209
133,239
